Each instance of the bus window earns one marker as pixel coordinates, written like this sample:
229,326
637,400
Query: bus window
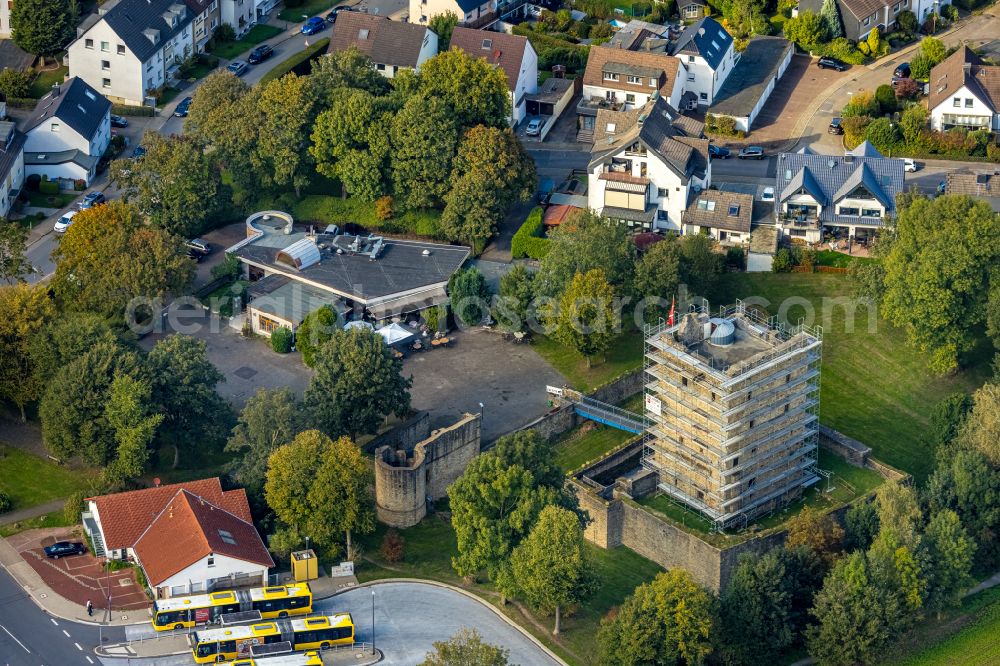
165,618
207,649
298,602
226,647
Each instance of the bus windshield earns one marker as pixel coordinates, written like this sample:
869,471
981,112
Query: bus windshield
206,649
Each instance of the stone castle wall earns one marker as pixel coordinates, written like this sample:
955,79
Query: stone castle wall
405,478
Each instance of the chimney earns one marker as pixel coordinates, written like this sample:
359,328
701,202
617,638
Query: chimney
56,89
967,68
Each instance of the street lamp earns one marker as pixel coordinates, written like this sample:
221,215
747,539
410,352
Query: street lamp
373,621
307,543
482,410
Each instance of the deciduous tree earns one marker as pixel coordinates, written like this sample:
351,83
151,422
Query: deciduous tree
130,413
318,327
109,257
14,265
466,648
667,621
350,142
491,171
66,338
657,276
43,27
817,531
24,311
443,25
286,114
586,320
15,83
424,142
470,296
529,450
701,264
981,428
268,420
318,488
357,384
174,184
184,381
807,29
72,411
580,244
861,526
937,274
899,512
475,90
950,554
550,568
343,69
514,302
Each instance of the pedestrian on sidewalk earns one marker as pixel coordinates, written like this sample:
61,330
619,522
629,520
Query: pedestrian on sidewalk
90,608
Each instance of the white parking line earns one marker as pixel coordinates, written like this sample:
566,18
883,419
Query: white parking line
15,639
90,660
53,621
78,647
66,632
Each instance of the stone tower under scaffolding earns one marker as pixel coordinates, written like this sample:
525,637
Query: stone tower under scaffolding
733,409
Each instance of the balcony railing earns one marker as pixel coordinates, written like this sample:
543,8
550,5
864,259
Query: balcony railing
482,21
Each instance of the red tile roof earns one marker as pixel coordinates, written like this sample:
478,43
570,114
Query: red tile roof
125,516
188,529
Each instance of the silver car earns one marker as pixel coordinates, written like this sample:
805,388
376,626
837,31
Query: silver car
237,67
534,127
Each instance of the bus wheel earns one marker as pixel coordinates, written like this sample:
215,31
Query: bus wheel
324,646
283,614
178,626
220,658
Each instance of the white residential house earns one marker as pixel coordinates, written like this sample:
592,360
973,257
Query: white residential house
133,48
708,55
207,17
391,45
187,537
470,13
645,165
964,92
240,14
512,53
11,165
67,133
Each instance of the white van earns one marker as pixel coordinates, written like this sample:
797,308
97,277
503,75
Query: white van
63,223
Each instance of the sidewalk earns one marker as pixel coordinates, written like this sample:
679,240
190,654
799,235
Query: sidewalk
49,601
32,512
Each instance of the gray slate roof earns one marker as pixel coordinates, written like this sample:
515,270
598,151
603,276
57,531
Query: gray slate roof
834,177
76,104
78,157
698,38
748,80
13,57
131,18
386,42
10,147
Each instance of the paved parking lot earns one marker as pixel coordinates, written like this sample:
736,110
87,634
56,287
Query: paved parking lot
79,577
801,85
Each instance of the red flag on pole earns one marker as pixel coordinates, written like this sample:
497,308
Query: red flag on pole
670,321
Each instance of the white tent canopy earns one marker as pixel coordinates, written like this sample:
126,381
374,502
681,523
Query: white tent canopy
395,334
358,324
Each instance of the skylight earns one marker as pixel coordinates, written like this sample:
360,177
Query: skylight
227,537
487,43
611,128
363,33
734,211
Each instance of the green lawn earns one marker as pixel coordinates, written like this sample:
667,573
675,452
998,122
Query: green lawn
29,480
587,442
60,200
167,96
625,354
257,34
328,209
967,636
837,259
55,519
42,85
308,9
430,545
875,387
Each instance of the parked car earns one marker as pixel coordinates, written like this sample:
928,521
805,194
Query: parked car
62,224
118,121
91,199
64,548
942,187
836,126
196,246
534,127
751,153
313,25
237,67
902,71
182,109
767,194
910,165
260,54
138,152
831,63
331,18
719,152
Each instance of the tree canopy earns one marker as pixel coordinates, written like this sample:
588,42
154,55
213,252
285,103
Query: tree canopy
14,265
269,420
586,320
43,27
318,327
25,310
474,90
466,648
582,243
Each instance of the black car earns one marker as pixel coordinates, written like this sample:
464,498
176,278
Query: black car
836,126
118,121
831,63
902,71
182,109
331,18
260,54
718,152
64,548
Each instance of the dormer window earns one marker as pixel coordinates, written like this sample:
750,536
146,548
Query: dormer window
734,211
610,76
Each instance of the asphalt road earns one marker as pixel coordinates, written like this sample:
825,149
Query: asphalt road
410,617
31,637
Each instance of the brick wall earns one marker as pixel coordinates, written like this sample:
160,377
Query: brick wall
448,451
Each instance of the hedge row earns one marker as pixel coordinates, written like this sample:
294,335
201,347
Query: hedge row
129,110
21,103
297,62
528,240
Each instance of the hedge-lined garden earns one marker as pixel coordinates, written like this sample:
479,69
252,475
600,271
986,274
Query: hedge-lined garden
529,239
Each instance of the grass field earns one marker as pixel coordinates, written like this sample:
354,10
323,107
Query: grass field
329,209
875,387
42,85
29,480
625,354
430,545
590,441
257,34
48,520
967,636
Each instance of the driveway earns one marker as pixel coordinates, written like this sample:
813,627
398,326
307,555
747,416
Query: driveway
78,577
411,617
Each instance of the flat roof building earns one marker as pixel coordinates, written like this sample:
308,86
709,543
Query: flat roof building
733,407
